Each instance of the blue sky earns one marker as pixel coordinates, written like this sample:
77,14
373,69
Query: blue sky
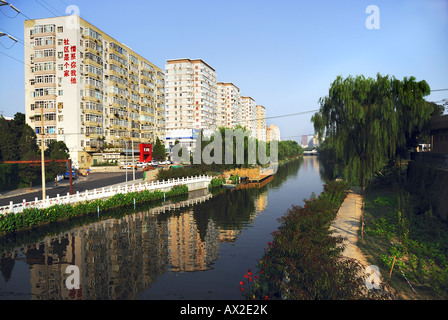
284,53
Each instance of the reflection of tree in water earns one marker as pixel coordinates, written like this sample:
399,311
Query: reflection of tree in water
285,171
232,209
6,267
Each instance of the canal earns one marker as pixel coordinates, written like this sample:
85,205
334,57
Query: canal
200,251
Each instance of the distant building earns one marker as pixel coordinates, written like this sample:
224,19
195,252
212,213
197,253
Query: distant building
261,123
272,133
249,115
304,143
229,112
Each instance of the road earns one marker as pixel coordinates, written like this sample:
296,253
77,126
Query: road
94,180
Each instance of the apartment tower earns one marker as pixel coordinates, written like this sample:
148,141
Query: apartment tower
249,115
191,100
92,90
261,122
272,133
229,105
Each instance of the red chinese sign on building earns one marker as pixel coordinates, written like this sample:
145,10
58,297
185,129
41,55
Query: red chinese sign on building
69,61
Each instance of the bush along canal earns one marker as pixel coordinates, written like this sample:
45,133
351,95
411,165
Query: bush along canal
34,217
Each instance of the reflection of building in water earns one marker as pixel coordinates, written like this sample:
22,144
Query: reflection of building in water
228,235
120,258
310,162
261,202
186,250
117,260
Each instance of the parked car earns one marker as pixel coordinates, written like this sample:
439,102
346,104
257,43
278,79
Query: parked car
128,166
67,174
141,164
166,162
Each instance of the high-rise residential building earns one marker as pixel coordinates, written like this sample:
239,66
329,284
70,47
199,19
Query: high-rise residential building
272,133
261,123
92,90
229,108
191,101
191,95
249,115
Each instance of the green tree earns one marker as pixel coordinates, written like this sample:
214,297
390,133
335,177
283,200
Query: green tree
158,152
8,142
57,150
28,150
368,121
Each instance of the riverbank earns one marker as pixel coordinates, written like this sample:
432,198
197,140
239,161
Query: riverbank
347,224
31,217
305,261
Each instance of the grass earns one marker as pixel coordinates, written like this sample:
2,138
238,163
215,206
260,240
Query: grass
419,241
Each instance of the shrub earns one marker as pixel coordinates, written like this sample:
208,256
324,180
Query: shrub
216,182
33,217
304,261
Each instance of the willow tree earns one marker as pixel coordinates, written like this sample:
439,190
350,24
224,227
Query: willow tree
366,121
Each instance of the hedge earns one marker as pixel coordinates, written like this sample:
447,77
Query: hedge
34,217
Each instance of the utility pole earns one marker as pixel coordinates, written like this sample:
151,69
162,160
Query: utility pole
133,163
42,156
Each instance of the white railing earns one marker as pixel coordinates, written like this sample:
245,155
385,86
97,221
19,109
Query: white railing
100,193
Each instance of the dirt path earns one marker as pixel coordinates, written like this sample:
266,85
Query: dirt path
347,224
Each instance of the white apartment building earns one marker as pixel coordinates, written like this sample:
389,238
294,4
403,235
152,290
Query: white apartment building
261,123
249,115
191,95
272,133
229,106
190,99
92,90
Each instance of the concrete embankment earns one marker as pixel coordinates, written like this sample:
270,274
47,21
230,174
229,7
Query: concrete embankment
347,224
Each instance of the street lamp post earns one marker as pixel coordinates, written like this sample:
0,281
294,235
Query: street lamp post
126,157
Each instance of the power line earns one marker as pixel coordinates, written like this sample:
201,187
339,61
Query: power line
3,3
435,90
9,16
14,58
46,7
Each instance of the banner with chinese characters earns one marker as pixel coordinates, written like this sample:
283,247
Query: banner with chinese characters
69,61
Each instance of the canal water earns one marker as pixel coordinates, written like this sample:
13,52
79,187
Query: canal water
199,251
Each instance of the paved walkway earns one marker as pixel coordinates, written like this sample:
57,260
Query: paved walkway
347,224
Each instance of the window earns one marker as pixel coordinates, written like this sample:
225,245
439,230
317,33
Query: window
60,29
